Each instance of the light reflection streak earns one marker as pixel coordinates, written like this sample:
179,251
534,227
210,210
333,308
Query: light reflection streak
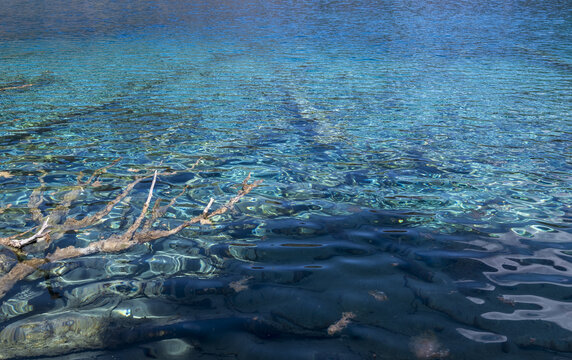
557,312
547,265
482,337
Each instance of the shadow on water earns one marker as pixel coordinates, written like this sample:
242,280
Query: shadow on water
404,290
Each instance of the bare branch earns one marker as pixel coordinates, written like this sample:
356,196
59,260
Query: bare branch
73,224
98,172
196,163
7,240
63,208
129,233
204,217
116,242
21,243
155,214
36,199
5,208
17,273
246,188
159,211
151,235
16,87
206,210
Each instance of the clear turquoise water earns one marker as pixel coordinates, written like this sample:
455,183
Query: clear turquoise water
419,149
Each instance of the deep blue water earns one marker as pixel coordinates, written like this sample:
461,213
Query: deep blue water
417,167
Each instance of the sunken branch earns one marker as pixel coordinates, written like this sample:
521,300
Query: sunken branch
54,225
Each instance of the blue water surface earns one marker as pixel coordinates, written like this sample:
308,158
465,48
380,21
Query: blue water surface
416,159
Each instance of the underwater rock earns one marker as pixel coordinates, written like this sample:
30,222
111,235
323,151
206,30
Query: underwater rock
7,261
54,334
69,331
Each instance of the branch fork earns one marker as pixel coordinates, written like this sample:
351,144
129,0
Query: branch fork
53,226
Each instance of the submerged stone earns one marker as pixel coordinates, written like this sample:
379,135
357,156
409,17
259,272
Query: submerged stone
54,334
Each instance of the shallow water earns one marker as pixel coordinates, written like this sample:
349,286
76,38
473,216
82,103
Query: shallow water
416,161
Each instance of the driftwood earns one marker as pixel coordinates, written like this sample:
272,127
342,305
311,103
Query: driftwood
53,226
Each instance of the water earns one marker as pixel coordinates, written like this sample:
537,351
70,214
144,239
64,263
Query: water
416,158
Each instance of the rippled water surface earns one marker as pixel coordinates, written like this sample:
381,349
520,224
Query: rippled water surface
416,159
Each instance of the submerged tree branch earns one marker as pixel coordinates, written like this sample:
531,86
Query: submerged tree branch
16,87
135,234
31,239
17,273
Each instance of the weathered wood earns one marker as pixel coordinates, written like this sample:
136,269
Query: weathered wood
135,234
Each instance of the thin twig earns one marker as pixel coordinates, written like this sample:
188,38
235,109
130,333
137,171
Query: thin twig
16,87
98,172
73,224
21,243
7,240
129,233
246,188
5,208
159,211
196,163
